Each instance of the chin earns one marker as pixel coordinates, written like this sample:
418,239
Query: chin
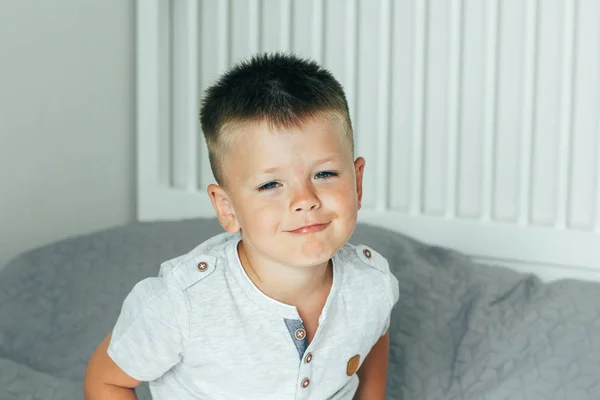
308,264
316,256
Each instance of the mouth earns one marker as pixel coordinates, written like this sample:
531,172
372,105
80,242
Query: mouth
309,229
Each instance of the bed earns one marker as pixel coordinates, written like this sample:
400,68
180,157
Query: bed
461,330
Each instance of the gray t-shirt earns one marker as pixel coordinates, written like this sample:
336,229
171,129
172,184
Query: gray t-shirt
203,330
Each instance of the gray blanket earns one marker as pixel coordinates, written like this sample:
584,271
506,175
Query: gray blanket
459,331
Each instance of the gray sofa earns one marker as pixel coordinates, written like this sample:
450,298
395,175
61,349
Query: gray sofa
460,330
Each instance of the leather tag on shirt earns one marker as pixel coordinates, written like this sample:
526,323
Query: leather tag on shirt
352,365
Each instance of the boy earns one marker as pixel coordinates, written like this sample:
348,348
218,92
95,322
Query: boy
279,306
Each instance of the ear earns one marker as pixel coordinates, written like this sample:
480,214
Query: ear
359,168
223,208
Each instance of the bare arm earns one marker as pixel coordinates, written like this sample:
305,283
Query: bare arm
373,372
104,379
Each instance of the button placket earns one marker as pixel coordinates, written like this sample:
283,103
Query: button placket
305,372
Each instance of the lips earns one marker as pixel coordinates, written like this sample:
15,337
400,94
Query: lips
310,228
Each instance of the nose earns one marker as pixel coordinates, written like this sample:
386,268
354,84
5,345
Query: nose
304,199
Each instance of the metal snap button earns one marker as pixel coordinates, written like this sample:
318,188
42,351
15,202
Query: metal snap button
367,253
202,266
305,382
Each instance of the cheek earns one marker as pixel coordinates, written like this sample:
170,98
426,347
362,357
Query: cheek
259,215
343,199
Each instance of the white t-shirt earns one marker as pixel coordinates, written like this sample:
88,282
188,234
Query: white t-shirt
203,330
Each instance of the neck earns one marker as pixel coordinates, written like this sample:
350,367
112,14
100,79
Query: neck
284,283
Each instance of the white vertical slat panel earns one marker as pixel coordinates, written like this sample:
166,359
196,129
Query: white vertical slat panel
566,113
367,95
317,30
286,24
436,110
214,57
223,38
194,180
490,109
165,96
401,83
526,131
335,34
301,43
339,46
305,17
275,25
244,29
420,61
213,39
469,153
586,121
547,112
185,95
255,25
383,106
512,79
351,45
178,60
454,76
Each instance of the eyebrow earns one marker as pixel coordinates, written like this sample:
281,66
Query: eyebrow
272,170
267,171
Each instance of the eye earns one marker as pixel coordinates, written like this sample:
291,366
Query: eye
268,186
326,175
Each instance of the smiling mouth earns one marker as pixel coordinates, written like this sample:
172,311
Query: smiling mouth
310,228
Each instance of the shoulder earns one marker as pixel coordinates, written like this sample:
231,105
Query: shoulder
199,264
364,264
160,305
364,256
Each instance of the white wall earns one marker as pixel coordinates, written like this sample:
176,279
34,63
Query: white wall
66,119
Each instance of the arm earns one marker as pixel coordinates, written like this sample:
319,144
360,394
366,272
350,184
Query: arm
373,372
105,380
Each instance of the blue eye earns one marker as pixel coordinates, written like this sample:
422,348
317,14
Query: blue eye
326,175
268,186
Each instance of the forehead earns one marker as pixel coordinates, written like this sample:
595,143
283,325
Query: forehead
252,146
323,129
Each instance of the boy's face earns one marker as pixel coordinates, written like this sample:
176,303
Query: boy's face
294,193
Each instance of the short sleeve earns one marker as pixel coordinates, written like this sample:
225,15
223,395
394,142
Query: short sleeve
394,294
147,339
391,286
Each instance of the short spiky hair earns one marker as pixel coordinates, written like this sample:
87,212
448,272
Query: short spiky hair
281,89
